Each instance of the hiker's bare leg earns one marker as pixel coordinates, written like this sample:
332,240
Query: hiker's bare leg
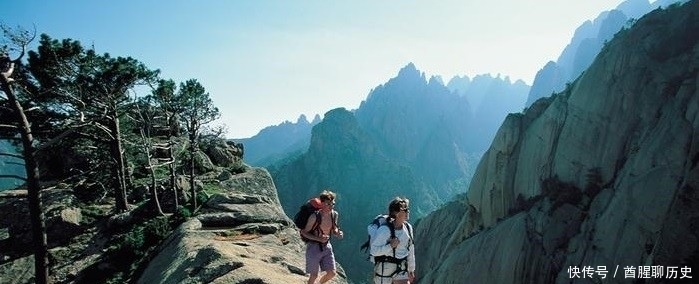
312,278
328,275
405,281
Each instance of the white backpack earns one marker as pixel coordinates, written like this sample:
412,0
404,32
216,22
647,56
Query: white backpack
373,227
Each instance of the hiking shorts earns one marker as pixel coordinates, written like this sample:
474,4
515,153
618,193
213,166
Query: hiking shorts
386,272
319,257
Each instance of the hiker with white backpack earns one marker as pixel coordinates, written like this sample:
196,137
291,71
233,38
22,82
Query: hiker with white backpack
392,247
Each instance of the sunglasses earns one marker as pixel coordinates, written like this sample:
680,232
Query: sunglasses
406,210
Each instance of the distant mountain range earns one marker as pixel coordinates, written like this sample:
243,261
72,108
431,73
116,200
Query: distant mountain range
278,142
487,100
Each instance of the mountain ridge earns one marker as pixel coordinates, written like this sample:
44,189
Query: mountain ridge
275,142
586,43
601,174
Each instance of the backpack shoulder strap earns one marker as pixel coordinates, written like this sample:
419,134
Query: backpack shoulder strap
392,228
318,220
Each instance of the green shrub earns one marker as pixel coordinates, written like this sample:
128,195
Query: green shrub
182,213
144,236
202,197
132,249
156,230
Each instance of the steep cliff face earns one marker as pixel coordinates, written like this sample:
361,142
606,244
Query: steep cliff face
602,174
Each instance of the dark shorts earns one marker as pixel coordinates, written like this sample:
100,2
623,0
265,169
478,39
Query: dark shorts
319,260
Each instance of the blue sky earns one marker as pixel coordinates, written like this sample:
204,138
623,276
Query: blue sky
265,62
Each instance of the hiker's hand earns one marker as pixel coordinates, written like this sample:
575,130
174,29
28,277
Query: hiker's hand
339,234
394,242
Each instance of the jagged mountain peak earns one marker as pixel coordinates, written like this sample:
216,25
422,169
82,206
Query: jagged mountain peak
302,119
520,82
338,122
408,83
337,115
634,8
586,43
409,70
459,78
436,79
275,142
409,73
316,119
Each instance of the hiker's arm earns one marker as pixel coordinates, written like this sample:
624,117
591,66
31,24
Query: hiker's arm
380,244
411,252
411,257
336,228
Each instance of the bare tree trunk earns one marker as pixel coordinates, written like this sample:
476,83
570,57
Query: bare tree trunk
171,151
119,168
36,214
192,188
153,190
173,180
153,184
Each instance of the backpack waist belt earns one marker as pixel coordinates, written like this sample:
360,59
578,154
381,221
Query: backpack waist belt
388,258
401,265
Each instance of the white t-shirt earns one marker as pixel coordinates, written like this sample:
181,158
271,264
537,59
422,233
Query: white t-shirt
406,248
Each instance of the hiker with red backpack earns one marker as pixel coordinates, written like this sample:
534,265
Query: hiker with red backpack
392,246
321,224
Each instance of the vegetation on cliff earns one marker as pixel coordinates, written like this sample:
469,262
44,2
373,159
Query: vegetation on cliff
113,134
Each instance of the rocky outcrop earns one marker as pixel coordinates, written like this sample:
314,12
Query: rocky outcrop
63,216
227,154
66,225
241,236
602,174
